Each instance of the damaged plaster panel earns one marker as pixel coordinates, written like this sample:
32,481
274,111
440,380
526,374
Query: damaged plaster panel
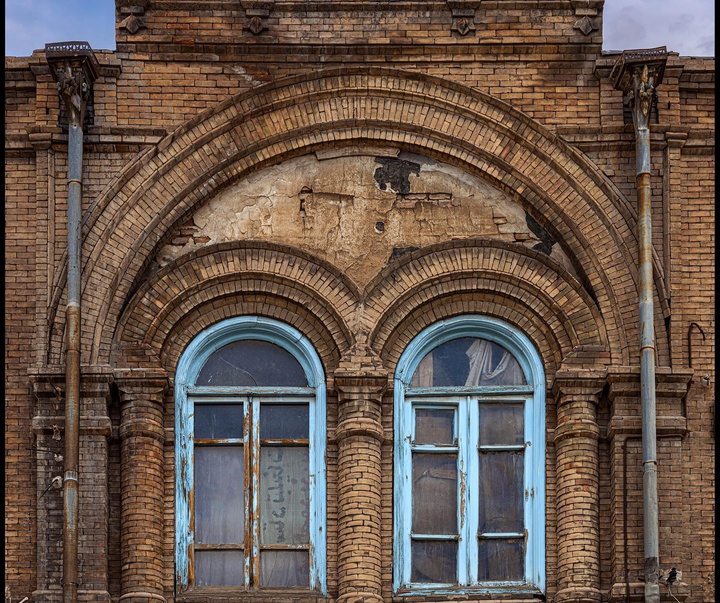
356,209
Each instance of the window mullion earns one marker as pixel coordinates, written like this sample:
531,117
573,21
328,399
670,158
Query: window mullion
529,505
252,559
407,497
473,487
464,485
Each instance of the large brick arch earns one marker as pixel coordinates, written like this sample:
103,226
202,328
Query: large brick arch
230,279
559,186
493,278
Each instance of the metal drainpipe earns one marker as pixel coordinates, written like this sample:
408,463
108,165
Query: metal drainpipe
71,64
639,72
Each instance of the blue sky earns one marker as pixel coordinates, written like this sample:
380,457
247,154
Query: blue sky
684,26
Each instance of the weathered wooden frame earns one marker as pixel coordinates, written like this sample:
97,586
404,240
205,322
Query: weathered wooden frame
189,366
406,399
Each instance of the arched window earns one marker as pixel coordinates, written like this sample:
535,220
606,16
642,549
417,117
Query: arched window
250,448
469,461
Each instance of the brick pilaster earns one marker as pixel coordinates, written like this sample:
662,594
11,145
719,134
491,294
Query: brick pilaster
359,435
576,442
626,505
142,468
95,429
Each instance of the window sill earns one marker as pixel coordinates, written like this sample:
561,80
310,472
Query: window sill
506,594
232,595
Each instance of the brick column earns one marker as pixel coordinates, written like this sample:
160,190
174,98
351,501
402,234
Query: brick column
576,444
142,468
359,435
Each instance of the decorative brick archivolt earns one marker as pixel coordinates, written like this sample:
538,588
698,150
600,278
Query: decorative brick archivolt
565,192
492,278
226,280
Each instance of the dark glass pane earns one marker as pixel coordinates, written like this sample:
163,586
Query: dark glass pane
284,421
251,362
218,421
219,508
434,487
284,495
468,362
501,560
284,568
434,426
501,492
434,561
219,568
501,425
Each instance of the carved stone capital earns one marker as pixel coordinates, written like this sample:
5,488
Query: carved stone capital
74,67
639,73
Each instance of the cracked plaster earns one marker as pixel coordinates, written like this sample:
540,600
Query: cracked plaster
341,206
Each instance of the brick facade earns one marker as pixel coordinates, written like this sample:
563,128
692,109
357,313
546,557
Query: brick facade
359,171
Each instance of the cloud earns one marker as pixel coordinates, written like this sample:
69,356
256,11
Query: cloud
686,27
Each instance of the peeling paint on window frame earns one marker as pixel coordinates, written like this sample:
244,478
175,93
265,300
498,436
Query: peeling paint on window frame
189,366
466,402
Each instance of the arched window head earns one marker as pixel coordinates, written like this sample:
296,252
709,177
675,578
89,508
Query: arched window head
469,507
468,361
250,472
252,362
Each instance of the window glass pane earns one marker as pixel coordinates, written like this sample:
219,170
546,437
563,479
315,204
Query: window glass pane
468,362
434,501
218,421
219,515
219,568
434,561
284,495
434,426
284,568
501,492
501,560
284,421
501,425
250,362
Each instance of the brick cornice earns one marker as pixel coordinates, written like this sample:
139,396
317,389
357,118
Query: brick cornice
666,426
669,382
358,382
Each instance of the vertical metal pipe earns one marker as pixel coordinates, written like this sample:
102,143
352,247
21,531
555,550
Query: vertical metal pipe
647,371
72,368
74,68
639,72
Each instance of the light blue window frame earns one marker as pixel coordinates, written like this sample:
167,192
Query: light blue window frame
189,366
465,401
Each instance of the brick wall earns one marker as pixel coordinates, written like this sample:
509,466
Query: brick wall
191,71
